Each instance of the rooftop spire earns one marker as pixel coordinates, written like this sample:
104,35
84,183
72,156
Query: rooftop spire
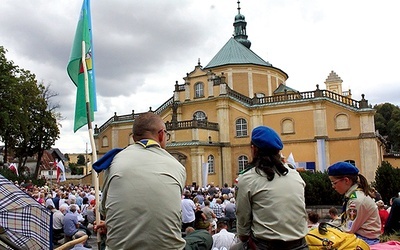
240,28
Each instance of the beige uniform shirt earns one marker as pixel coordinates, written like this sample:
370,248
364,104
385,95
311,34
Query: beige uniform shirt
142,199
271,210
362,215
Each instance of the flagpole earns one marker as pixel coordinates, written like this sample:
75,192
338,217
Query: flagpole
95,176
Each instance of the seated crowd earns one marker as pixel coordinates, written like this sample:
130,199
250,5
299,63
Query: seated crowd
210,209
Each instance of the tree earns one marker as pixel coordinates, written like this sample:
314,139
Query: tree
387,181
75,169
387,122
10,101
81,160
27,118
319,189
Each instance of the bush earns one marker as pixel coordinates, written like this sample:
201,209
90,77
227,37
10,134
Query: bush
319,189
387,181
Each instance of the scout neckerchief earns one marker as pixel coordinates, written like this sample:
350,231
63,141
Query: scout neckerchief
104,162
148,143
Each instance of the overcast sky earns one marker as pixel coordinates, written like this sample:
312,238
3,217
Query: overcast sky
142,47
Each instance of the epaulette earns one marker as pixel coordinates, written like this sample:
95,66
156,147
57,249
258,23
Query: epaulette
246,169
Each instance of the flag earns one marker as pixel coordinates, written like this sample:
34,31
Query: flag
205,173
75,68
13,168
60,169
291,161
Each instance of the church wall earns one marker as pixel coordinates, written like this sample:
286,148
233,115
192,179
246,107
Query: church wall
260,83
301,151
340,150
240,83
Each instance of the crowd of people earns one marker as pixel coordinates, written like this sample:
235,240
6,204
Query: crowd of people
146,205
72,206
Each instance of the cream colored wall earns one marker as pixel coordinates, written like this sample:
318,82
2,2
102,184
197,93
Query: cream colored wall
395,162
311,120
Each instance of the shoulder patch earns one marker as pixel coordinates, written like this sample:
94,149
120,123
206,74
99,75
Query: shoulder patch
353,195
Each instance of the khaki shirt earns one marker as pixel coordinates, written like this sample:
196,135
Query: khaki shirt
362,215
271,210
142,199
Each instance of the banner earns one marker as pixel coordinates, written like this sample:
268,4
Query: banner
291,160
205,174
14,168
60,172
75,68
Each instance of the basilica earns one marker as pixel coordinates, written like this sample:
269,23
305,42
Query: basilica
212,113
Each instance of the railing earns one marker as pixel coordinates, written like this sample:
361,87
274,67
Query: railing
115,118
285,97
191,124
239,96
299,96
164,106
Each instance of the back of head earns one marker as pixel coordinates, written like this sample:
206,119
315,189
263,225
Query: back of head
79,234
333,211
313,217
72,208
145,124
266,155
265,138
222,224
187,194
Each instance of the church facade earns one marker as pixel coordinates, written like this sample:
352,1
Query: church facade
211,115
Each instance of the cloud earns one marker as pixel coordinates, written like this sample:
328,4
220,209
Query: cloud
143,47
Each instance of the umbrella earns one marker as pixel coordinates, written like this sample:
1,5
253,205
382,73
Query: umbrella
26,222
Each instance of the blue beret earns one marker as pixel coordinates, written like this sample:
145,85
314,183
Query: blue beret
266,138
342,168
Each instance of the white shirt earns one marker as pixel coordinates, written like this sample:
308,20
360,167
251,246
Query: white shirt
223,240
188,208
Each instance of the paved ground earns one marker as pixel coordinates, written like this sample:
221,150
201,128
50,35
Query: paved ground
92,241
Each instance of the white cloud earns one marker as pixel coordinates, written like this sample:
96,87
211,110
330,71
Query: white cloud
142,48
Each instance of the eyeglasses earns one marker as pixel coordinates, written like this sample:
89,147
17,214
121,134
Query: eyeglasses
166,133
335,182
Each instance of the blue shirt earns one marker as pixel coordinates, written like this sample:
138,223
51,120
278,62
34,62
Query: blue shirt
70,224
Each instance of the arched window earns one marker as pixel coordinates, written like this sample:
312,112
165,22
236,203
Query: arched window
241,127
242,162
352,162
104,141
287,126
199,90
211,167
199,116
342,122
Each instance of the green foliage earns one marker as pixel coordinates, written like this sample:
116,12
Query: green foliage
387,181
319,189
387,122
28,123
81,160
67,156
11,176
75,169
